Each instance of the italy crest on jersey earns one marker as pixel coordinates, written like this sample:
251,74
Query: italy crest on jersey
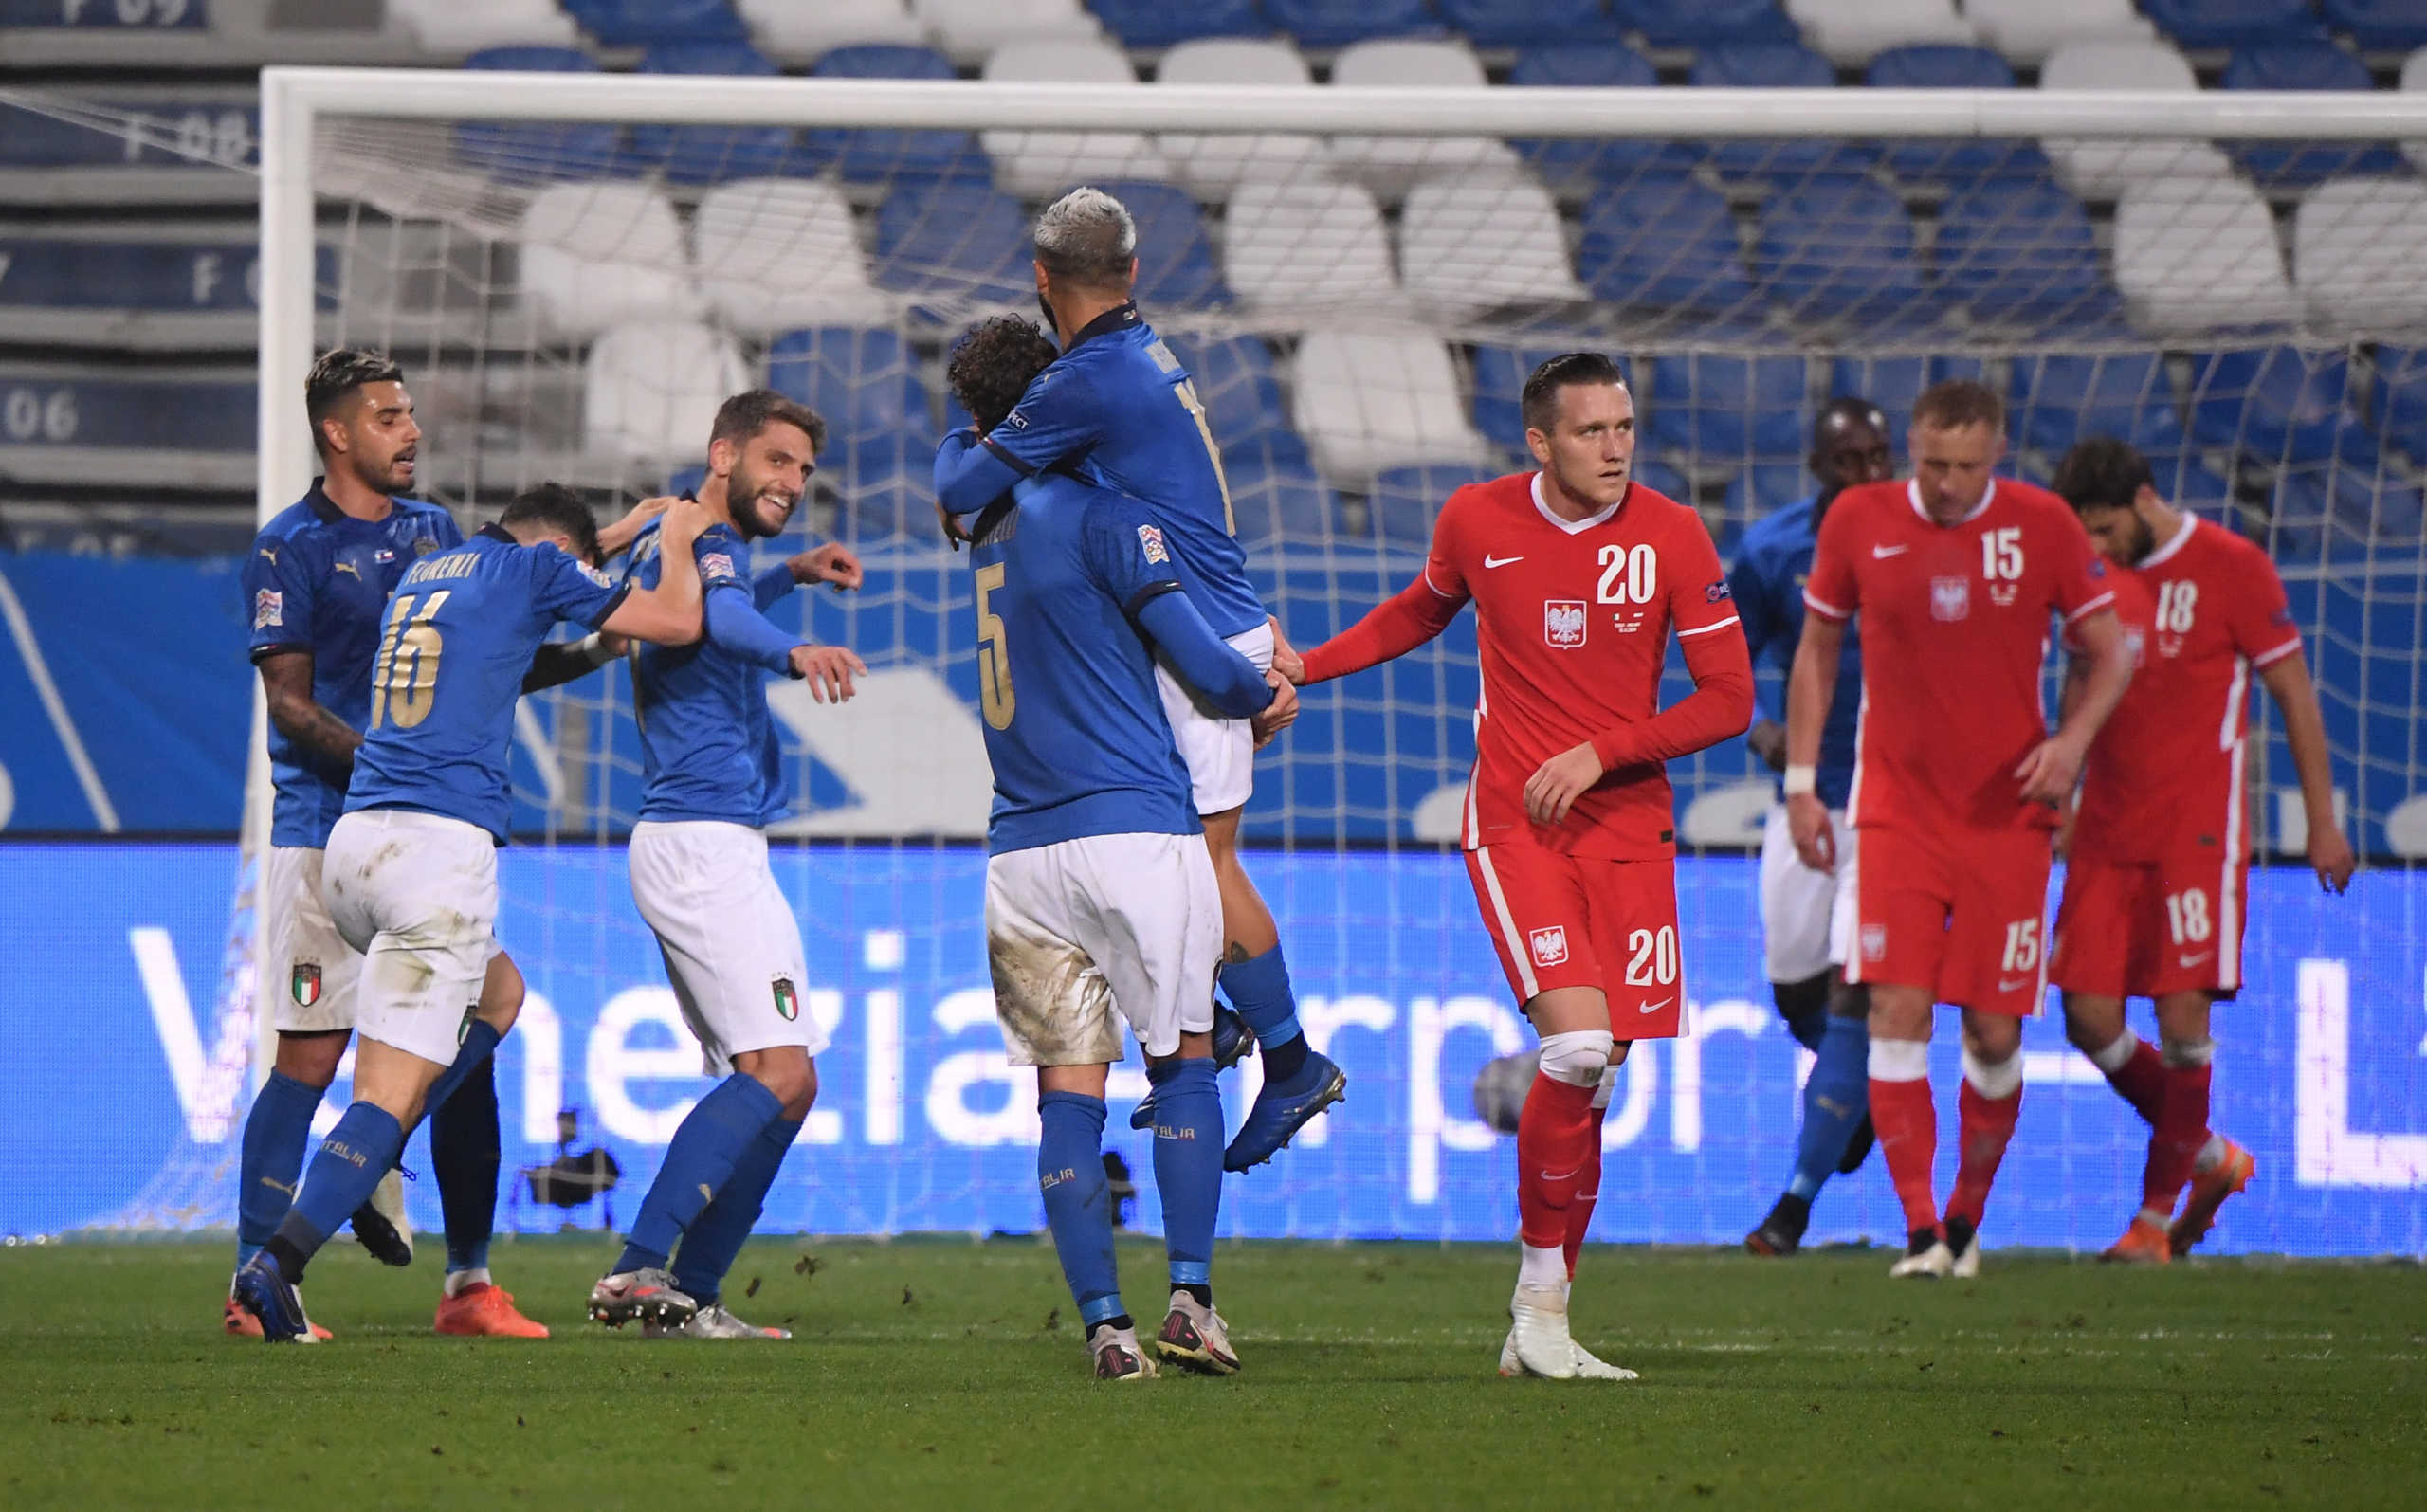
1563,623
1950,598
305,985
787,1000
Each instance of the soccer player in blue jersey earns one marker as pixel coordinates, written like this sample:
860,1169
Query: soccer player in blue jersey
1807,915
1119,408
317,581
1101,897
409,872
713,777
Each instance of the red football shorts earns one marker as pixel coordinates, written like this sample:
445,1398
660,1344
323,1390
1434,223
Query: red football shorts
1562,920
2145,929
1963,914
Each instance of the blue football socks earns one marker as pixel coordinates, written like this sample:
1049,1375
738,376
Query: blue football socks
480,1043
275,1132
352,1160
699,1162
1188,1165
1259,989
463,1151
715,1238
1804,1004
1078,1201
1835,1101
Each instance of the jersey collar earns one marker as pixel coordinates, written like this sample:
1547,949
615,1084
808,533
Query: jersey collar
1914,495
494,531
1118,318
1577,527
322,504
2190,523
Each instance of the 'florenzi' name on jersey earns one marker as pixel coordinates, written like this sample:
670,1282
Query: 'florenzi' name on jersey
1771,567
317,581
454,646
1074,724
1955,633
1573,622
2164,777
708,746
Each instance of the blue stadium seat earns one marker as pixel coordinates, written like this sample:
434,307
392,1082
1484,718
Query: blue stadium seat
1777,65
1723,410
1663,479
2305,65
1235,382
2401,398
2381,24
1764,490
1282,504
2056,400
704,154
1337,23
1572,163
2277,405
1697,22
1160,22
1668,242
1175,264
1894,383
1405,500
2234,23
954,237
1938,66
1526,23
514,151
885,510
1839,248
2345,514
2025,249
645,23
865,383
883,156
2192,484
1500,380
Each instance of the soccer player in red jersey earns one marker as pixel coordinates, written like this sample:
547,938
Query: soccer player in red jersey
2157,853
1578,574
1955,574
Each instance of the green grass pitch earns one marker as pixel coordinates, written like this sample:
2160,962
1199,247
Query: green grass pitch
945,1374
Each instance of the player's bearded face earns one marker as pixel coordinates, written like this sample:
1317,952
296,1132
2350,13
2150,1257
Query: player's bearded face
768,477
2121,535
383,442
1589,451
1952,466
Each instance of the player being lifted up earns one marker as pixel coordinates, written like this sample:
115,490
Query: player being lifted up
1805,916
1119,408
1578,574
411,871
1955,574
318,580
2158,853
712,777
1101,897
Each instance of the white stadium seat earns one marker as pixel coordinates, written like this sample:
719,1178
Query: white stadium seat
1483,239
2191,254
2414,76
451,28
2104,170
2027,31
1389,164
1035,164
1368,400
1851,32
970,31
1308,247
2355,253
775,253
1211,167
596,254
652,387
804,28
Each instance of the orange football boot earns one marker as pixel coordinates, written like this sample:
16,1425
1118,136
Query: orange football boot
241,1324
484,1311
2209,1190
2143,1243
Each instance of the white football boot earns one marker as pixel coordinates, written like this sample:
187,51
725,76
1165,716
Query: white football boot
1115,1355
1925,1256
1195,1337
1538,1335
1589,1367
711,1321
647,1295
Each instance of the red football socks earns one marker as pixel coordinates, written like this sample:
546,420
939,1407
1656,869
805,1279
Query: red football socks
2140,1082
1987,1124
1588,1191
2175,1143
1559,1157
1906,1122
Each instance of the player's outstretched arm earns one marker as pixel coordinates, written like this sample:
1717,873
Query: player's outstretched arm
2049,772
561,662
286,687
1811,687
2288,683
1218,673
617,538
1394,627
1718,708
667,614
835,566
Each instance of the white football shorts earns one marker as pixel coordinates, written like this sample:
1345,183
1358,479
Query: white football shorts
307,968
1807,915
1220,751
731,942
1083,930
416,894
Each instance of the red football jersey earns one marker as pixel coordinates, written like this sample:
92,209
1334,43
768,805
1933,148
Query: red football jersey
1573,623
2165,777
1954,635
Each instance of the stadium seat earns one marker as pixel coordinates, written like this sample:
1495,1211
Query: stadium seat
866,384
1701,22
1664,242
702,154
1500,384
958,240
1033,164
1236,384
1213,166
970,31
2194,254
2026,32
1341,23
1758,491
450,28
512,149
650,388
1406,501
645,23
1280,505
1940,66
2056,399
779,252
1482,240
2292,66
1161,23
596,255
2355,253
883,511
1528,23
1894,382
2380,24
1176,267
2275,404
1572,164
1777,65
811,28
2103,169
2400,404
1368,400
1307,248
1389,165
2021,249
2235,23
1721,409
2348,516
1839,248
1852,32
877,157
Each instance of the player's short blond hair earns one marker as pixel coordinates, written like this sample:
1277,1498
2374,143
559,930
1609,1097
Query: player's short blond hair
1957,403
1087,238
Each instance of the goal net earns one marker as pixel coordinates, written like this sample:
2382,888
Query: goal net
575,270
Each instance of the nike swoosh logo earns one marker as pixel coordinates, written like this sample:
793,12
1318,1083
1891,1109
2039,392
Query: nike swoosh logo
1654,1007
1883,553
2188,961
1560,1176
2014,986
1489,560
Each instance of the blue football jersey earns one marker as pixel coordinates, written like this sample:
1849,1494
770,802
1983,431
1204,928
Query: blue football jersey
708,748
318,581
1767,582
454,647
1074,723
1120,405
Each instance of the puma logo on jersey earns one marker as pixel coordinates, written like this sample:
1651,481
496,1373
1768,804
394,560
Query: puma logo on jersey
1490,561
1880,554
347,567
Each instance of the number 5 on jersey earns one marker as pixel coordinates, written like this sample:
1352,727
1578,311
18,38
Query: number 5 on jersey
993,653
404,682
